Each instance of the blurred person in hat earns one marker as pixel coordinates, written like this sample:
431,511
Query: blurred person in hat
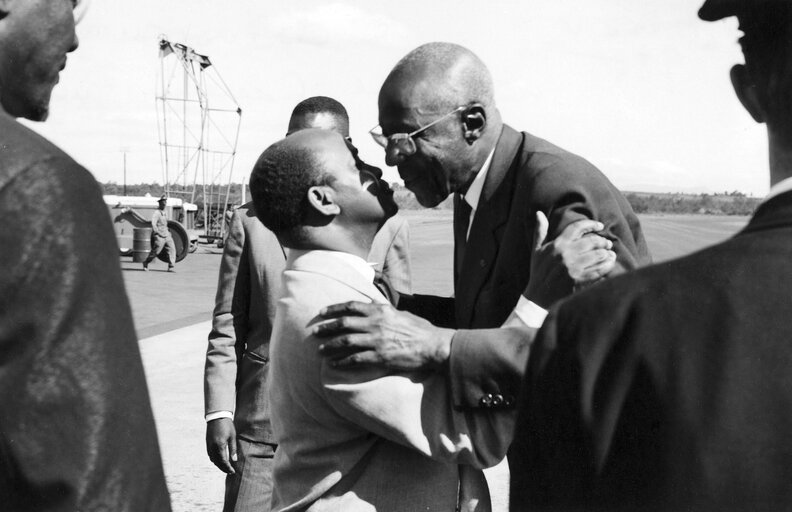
161,237
679,397
76,427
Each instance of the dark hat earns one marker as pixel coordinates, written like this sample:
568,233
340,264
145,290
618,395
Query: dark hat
162,198
714,10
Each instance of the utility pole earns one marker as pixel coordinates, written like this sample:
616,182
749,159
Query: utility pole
125,173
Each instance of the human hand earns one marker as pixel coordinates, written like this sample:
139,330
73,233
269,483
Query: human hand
378,334
221,442
578,255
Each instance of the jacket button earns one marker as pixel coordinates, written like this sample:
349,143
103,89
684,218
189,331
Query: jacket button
482,263
508,400
497,400
486,400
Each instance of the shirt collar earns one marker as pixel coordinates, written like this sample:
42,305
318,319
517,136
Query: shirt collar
473,193
355,262
779,188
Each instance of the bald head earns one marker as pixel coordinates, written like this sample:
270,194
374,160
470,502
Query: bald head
436,76
320,112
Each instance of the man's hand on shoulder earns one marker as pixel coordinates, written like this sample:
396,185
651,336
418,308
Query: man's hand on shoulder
358,334
221,443
579,255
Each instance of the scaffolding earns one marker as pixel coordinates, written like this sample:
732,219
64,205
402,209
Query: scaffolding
198,121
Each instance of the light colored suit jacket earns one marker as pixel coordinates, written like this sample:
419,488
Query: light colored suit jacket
363,439
390,250
237,359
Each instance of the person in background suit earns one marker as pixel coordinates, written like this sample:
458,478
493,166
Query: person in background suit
440,126
371,439
76,427
239,437
678,398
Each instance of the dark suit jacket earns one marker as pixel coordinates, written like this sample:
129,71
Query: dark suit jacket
670,388
527,174
237,359
76,428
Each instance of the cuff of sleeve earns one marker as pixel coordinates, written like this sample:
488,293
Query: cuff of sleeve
526,313
219,414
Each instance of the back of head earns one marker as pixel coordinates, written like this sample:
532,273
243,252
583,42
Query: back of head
443,75
767,47
279,185
319,112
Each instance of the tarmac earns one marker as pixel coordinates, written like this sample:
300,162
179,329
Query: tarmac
172,312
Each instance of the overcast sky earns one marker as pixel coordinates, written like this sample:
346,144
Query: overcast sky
640,88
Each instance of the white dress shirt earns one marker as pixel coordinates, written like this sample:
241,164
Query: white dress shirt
779,188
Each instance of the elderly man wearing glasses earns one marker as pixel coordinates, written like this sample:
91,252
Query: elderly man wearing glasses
441,128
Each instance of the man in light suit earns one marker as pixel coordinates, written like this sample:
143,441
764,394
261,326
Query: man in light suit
360,440
678,396
239,437
440,126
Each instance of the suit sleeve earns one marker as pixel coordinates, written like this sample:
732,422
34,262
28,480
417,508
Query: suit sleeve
228,321
416,410
572,189
397,267
76,426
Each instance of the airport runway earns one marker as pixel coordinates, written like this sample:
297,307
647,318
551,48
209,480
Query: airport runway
173,311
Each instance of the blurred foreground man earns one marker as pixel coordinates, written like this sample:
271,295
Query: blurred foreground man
670,389
76,428
362,440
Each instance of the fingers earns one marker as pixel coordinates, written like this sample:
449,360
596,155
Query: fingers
540,231
218,454
341,346
595,265
232,451
348,308
343,324
367,358
581,227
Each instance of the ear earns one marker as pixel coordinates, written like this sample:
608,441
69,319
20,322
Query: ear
321,199
747,92
474,120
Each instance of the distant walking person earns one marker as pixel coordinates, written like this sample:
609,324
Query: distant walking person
76,427
670,389
161,238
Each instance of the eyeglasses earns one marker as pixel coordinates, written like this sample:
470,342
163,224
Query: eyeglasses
404,142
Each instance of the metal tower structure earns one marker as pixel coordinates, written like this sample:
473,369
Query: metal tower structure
198,121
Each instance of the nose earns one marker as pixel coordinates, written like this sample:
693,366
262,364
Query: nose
75,43
393,156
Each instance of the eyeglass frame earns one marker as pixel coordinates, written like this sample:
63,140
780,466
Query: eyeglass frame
379,138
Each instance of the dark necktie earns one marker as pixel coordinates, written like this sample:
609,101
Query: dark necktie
461,221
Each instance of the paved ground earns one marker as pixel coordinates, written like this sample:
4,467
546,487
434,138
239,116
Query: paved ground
172,313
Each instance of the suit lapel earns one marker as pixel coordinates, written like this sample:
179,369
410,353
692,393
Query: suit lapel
492,213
